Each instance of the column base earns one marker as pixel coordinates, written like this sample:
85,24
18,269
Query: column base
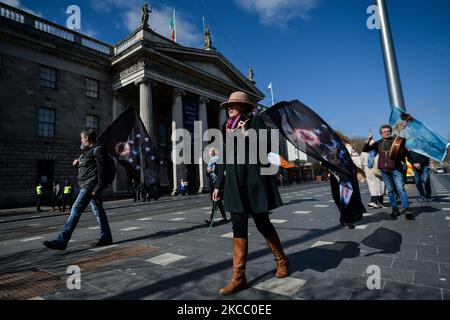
201,190
174,193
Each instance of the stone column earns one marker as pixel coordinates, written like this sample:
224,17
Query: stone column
222,117
203,117
146,106
117,104
179,171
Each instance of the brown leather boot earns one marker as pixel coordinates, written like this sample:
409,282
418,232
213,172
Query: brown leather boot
238,281
282,262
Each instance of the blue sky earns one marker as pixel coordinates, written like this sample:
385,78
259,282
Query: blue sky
317,51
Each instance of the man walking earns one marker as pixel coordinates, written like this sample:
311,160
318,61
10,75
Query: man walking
421,167
392,170
90,175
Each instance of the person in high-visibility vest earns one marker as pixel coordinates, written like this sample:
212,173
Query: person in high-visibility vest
67,195
39,194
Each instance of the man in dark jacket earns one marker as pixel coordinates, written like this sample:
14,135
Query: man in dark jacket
90,173
392,170
421,167
246,191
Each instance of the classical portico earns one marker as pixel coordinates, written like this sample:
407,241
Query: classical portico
172,86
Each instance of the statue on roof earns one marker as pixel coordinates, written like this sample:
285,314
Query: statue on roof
146,10
250,74
208,41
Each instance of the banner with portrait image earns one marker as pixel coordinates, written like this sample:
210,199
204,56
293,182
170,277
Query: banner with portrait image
309,133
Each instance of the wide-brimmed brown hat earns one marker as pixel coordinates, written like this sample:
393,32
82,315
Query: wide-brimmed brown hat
240,98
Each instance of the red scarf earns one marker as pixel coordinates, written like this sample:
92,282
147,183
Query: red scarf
232,122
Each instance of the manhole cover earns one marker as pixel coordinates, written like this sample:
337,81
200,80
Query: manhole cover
28,284
113,256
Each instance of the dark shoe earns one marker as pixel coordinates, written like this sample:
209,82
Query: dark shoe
347,225
395,213
55,245
223,220
103,243
207,221
408,214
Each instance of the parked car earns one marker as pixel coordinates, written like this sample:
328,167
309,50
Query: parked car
440,170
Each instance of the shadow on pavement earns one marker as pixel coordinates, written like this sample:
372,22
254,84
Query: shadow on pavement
168,233
384,239
324,257
300,201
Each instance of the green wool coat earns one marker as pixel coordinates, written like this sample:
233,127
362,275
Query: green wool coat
245,190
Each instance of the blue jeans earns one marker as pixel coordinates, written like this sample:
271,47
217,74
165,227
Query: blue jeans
395,179
422,177
84,198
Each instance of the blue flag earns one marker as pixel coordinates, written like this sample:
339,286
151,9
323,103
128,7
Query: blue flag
419,137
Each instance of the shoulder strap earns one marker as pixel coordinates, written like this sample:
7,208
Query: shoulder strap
95,150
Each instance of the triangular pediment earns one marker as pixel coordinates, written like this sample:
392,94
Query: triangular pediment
211,63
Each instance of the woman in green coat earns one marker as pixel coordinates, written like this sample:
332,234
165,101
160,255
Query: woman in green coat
247,192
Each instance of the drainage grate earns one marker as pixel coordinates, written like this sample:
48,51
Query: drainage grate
114,256
28,284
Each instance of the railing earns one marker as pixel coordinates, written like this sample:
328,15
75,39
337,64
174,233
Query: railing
96,45
11,14
59,32
126,44
52,28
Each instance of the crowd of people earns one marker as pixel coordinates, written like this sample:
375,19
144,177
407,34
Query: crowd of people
240,189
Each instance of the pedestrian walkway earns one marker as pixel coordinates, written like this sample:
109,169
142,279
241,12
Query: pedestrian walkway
171,255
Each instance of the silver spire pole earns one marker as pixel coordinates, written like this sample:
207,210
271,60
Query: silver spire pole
390,60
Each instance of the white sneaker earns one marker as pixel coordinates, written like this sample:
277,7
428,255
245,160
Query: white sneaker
372,205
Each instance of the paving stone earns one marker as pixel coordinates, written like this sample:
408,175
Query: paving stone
432,280
424,266
444,269
286,286
165,259
366,294
402,291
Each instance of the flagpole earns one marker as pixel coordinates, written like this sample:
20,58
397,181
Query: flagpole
271,92
390,60
175,24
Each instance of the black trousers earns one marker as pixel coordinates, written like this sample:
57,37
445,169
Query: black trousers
67,200
38,202
262,221
56,201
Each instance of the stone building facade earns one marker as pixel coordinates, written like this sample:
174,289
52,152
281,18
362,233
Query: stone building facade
54,81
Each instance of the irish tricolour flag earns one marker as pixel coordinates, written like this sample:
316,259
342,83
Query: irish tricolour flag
173,27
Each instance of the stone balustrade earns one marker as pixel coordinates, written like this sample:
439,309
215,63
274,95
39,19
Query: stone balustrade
52,28
126,44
